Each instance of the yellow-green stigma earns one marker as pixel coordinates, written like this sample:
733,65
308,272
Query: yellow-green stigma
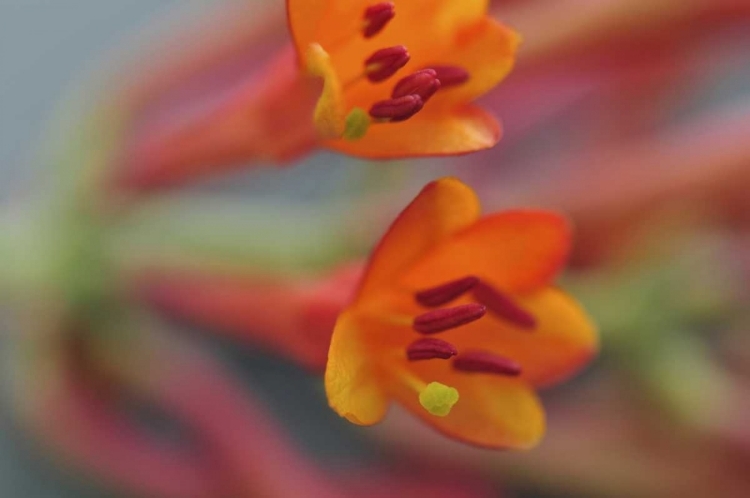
357,123
438,399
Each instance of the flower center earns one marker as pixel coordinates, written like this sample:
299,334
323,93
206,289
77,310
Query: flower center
441,319
408,97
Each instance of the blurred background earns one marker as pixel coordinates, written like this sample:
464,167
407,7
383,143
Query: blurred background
173,347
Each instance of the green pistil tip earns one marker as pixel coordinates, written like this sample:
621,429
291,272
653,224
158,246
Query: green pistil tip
438,399
357,123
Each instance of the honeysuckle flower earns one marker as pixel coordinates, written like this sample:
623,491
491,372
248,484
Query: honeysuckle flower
469,51
353,80
457,319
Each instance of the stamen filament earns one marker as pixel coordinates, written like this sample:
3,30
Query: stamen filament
411,379
347,85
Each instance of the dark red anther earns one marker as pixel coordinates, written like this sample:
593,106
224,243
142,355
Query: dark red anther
376,18
443,319
423,83
445,293
486,362
503,306
429,348
399,109
385,62
450,75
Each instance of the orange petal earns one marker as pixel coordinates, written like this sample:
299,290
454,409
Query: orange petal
487,49
492,411
304,18
352,386
447,132
514,250
563,341
442,208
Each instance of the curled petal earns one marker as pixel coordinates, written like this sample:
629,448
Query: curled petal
491,411
352,387
442,208
486,50
513,250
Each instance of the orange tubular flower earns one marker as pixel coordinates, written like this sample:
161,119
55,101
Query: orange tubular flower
456,318
370,79
453,51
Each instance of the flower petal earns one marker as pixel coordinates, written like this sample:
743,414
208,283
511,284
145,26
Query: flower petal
487,49
442,208
515,251
448,132
304,18
492,411
352,386
563,341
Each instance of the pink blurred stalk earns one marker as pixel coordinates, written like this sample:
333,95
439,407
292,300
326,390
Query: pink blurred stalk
293,317
236,448
238,451
564,28
255,121
699,169
613,447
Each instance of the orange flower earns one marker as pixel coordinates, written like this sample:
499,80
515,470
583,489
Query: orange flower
456,318
377,80
356,46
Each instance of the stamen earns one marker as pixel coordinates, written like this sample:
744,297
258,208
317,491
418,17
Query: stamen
503,306
429,348
450,75
443,319
385,62
377,17
423,83
486,362
445,293
399,109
